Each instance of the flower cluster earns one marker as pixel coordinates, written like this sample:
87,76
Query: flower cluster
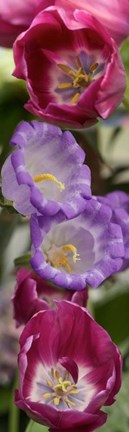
76,240
68,54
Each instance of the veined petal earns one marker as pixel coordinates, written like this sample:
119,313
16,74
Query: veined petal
113,15
46,171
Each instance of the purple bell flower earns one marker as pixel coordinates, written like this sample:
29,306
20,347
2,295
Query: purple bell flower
77,252
45,173
118,201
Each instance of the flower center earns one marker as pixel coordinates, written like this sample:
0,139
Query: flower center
60,258
49,177
80,79
61,389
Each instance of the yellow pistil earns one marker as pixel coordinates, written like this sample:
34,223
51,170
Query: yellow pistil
73,249
49,383
49,177
62,385
59,259
61,389
79,78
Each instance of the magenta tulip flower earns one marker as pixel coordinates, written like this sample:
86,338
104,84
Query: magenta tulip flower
114,15
72,68
15,17
33,294
69,368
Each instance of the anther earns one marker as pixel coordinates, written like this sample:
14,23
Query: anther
56,401
47,395
49,177
73,249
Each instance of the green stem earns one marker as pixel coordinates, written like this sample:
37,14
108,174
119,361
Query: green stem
35,427
13,412
126,103
90,304
23,260
30,424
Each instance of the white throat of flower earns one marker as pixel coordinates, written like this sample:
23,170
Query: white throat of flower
55,386
61,389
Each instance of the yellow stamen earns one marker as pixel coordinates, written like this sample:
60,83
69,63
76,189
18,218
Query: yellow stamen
93,67
66,69
62,391
57,374
65,86
49,383
79,78
50,177
52,372
47,395
70,402
67,375
73,249
73,392
56,401
62,385
75,98
59,260
79,62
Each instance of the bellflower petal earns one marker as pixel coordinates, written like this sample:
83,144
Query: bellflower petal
45,173
118,201
84,250
50,390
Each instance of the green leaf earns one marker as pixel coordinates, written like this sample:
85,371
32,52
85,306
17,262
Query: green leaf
111,309
5,399
35,427
125,54
118,414
7,204
23,260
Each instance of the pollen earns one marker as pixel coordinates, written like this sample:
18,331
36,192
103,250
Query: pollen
79,79
61,257
49,177
73,249
62,389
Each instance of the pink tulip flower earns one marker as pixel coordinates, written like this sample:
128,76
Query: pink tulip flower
15,17
114,15
69,369
33,294
73,69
